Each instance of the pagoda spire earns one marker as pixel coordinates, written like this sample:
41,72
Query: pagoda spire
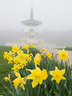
31,14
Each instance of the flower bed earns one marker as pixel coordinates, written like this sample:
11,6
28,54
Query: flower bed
36,73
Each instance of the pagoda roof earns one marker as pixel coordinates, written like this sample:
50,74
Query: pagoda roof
31,21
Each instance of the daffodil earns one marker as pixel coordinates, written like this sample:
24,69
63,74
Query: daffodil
29,57
63,55
21,55
37,76
31,46
23,63
28,46
16,68
37,59
16,60
6,55
57,75
39,46
7,78
25,47
19,81
11,54
49,55
10,60
15,48
44,50
71,73
38,56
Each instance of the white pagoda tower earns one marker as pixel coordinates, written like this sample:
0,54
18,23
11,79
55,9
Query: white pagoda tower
30,37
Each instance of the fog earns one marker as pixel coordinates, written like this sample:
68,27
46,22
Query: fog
55,15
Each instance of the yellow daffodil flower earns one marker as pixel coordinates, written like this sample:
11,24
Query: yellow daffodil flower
23,63
39,46
16,68
38,56
19,81
10,60
49,55
6,55
71,73
44,50
21,55
31,46
15,48
29,57
37,76
37,59
63,55
16,60
7,78
57,75
11,54
25,47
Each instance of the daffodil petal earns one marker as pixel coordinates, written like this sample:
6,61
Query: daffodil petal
58,80
52,78
56,68
30,76
28,70
34,83
63,78
62,71
17,74
51,73
38,68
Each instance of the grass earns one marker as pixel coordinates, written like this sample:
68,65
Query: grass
4,68
67,48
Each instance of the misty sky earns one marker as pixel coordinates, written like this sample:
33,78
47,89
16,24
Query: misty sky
55,14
